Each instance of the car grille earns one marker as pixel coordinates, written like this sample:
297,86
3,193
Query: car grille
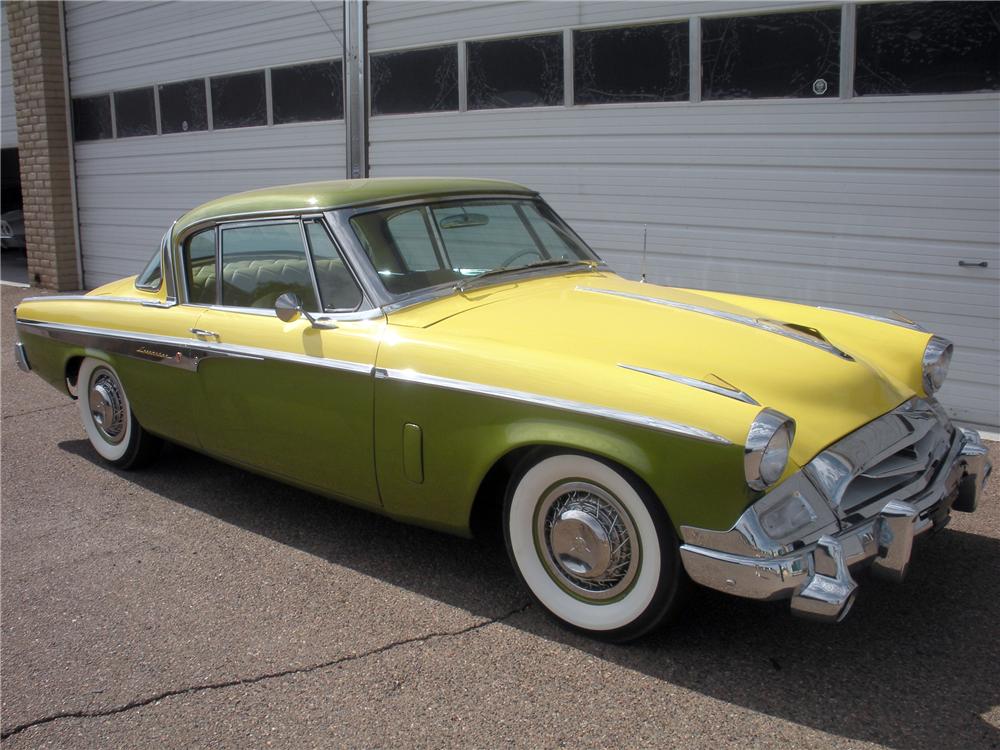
894,457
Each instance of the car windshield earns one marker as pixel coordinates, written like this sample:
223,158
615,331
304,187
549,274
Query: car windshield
452,242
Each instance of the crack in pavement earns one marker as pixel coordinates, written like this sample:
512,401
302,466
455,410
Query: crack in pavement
141,702
35,411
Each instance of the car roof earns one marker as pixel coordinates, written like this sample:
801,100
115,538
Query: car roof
319,196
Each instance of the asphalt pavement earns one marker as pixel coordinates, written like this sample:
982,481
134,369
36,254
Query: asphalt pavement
195,605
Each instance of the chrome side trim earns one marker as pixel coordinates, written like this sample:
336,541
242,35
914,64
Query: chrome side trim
411,376
695,383
775,327
900,320
21,357
185,353
102,298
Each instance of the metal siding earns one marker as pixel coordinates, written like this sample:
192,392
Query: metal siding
866,204
131,189
8,122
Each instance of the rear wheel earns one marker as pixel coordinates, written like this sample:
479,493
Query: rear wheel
593,545
108,419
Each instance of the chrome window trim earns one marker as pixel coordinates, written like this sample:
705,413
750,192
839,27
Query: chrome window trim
191,350
762,325
695,383
901,321
579,407
102,298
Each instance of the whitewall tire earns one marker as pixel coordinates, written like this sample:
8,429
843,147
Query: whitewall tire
107,417
592,544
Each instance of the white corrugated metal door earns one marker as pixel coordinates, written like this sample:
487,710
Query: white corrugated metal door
868,203
131,188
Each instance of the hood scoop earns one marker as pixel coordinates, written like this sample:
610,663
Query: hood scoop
800,333
714,384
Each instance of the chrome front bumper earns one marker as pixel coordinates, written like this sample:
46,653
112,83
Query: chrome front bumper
815,573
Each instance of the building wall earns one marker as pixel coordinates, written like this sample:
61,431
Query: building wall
867,203
131,189
8,122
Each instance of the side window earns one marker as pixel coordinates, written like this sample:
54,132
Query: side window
336,285
409,232
152,275
263,261
199,267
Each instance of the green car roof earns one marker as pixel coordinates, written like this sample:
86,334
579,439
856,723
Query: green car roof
318,196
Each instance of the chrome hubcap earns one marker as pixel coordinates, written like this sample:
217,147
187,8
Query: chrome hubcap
587,540
107,406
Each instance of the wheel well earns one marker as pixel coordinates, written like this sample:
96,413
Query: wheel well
72,374
486,517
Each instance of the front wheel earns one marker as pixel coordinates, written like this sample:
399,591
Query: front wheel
108,419
593,545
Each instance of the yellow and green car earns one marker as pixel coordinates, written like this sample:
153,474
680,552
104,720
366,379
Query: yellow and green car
450,353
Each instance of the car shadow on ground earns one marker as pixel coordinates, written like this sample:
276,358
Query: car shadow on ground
914,665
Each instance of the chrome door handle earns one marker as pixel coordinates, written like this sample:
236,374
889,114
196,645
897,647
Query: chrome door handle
973,264
201,332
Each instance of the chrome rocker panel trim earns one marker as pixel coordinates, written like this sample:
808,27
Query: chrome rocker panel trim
815,574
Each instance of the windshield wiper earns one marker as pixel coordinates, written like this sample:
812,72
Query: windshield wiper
553,262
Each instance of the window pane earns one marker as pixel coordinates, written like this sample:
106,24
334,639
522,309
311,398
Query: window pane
304,93
336,285
151,275
526,72
928,48
635,64
260,263
777,55
420,80
239,101
199,264
182,106
410,233
135,113
92,118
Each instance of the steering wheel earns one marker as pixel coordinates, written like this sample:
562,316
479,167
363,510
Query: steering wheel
518,254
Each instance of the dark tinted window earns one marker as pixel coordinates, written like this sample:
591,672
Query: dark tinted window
420,80
635,64
135,112
182,106
776,55
526,72
92,118
304,93
927,48
239,101
199,267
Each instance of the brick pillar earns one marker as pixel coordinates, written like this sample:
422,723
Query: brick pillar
36,56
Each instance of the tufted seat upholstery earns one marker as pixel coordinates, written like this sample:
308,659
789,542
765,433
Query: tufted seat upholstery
258,283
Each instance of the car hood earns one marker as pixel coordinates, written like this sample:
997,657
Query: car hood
804,362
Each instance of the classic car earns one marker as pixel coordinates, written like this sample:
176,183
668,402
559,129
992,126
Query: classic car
451,353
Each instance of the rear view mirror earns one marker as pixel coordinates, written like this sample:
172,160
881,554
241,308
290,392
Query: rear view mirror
458,221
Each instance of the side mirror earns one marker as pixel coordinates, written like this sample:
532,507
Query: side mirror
288,307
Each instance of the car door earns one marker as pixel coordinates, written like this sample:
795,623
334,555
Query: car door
293,399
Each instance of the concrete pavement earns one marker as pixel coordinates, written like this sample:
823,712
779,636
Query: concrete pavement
194,604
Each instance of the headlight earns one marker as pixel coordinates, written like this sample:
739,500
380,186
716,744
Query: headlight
768,444
937,357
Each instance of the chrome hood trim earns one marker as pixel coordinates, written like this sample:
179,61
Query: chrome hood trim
771,326
896,320
695,383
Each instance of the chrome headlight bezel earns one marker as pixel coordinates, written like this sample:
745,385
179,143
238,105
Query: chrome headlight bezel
935,362
768,445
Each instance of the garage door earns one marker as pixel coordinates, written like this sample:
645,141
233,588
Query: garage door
177,103
873,203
